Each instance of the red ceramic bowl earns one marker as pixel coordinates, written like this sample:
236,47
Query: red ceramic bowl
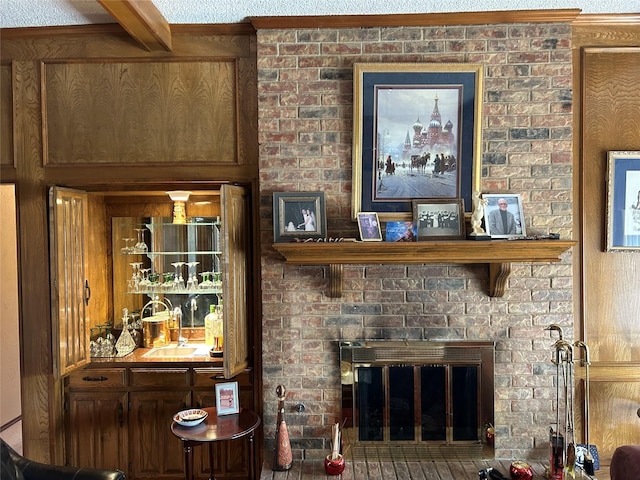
334,467
520,470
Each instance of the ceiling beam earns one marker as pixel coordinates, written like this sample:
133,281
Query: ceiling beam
142,20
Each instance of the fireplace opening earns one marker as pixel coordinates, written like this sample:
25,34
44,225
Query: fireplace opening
419,398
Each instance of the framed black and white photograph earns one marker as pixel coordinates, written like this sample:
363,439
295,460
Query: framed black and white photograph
623,201
227,398
439,219
503,215
369,227
298,215
416,134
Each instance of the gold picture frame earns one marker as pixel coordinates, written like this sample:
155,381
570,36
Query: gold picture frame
623,201
391,101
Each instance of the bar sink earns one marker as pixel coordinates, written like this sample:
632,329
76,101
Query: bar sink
175,351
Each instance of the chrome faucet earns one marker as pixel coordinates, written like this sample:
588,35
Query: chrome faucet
194,307
177,312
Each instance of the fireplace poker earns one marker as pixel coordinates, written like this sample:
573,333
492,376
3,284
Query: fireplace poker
589,461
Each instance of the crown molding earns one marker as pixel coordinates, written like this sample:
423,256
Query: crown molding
416,20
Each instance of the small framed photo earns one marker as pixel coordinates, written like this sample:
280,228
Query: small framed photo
439,219
400,232
503,215
298,215
369,226
227,398
623,201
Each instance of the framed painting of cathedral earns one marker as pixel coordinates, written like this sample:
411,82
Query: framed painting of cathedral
416,134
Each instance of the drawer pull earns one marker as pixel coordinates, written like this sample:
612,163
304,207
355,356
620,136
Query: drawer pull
101,378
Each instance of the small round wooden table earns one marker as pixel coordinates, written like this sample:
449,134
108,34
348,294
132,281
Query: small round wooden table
218,429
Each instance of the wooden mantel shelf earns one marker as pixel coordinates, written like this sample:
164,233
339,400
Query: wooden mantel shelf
499,254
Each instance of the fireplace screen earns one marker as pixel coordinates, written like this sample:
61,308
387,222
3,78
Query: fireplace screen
420,394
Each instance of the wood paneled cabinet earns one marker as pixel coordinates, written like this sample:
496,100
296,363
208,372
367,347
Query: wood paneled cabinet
82,266
121,417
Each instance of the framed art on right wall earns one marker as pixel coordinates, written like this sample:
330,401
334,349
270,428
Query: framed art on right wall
623,201
503,215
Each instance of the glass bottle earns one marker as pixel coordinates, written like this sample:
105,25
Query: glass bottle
209,321
218,329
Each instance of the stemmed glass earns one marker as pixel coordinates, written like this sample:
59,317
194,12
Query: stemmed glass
127,246
206,283
167,281
140,247
144,281
192,282
217,279
134,283
178,279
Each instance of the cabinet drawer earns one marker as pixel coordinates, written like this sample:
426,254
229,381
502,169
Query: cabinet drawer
97,378
165,377
208,377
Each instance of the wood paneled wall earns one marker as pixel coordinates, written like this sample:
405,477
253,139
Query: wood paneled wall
607,69
88,108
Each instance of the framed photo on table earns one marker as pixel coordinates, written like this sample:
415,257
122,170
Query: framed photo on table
503,215
298,215
439,219
369,227
227,398
623,201
416,134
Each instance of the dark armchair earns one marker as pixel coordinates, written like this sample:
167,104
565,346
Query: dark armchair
16,467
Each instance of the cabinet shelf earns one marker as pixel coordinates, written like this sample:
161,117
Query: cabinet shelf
498,254
200,291
176,253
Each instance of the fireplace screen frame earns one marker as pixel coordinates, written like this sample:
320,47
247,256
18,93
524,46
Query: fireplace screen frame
380,356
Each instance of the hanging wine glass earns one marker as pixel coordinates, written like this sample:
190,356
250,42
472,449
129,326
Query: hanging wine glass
140,247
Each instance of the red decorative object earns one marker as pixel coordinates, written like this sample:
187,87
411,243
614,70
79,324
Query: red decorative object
334,466
520,470
489,434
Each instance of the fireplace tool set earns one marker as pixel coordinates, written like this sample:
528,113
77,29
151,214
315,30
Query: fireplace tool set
564,453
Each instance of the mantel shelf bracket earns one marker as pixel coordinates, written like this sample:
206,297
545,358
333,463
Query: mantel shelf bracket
498,275
335,280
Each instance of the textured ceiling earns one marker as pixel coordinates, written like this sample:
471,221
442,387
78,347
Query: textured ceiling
34,13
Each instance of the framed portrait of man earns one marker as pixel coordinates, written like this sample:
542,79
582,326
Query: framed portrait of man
503,215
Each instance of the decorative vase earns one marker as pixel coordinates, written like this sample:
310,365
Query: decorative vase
520,470
334,466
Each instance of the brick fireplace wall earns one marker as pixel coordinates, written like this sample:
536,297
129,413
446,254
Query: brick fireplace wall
305,133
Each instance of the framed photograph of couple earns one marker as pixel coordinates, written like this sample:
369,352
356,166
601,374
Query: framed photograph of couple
416,134
439,219
503,215
623,201
298,215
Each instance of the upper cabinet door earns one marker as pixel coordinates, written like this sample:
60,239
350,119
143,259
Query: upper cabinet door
236,260
69,288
